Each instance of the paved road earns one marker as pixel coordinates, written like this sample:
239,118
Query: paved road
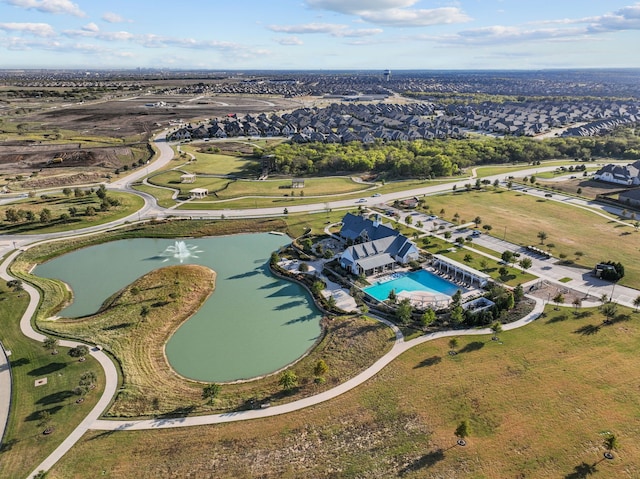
5,391
150,210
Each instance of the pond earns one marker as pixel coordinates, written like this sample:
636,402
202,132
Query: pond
252,324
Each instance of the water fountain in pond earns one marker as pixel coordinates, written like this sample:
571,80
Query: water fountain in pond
180,251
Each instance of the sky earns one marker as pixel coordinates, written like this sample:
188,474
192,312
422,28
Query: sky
320,34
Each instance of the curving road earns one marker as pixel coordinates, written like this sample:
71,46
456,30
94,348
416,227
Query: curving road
150,210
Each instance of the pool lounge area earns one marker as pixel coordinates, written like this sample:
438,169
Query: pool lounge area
423,288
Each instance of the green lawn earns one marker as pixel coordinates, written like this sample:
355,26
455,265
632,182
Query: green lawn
216,163
60,204
25,445
513,277
519,217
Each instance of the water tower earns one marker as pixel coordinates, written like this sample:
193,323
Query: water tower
387,75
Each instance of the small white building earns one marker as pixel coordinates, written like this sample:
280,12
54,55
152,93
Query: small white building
198,193
188,178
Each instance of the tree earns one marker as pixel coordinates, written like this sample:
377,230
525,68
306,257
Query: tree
44,419
477,220
50,344
496,327
507,256
610,444
525,264
15,285
558,299
90,211
404,310
453,344
45,216
636,303
487,228
144,312
532,180
576,304
211,391
468,258
483,264
542,236
456,218
88,381
66,192
518,293
609,310
428,317
503,272
288,380
321,368
79,351
101,192
462,431
392,296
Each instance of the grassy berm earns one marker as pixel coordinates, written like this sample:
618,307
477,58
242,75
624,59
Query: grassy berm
134,325
539,402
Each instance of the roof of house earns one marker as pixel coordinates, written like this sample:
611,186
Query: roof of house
630,194
354,226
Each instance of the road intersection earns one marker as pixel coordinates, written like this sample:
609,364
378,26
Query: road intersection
13,245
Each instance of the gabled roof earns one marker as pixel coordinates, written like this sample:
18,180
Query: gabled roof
354,226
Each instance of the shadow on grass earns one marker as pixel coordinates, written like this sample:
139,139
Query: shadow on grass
48,369
115,327
37,415
558,318
432,361
428,460
55,398
582,471
619,319
20,362
471,347
588,330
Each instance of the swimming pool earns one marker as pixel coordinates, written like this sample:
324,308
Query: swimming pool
421,280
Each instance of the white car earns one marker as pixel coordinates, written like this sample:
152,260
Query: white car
361,200
375,195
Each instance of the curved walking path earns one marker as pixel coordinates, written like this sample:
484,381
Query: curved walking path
399,347
151,209
111,374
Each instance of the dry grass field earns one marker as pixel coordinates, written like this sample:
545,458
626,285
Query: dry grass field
519,218
539,402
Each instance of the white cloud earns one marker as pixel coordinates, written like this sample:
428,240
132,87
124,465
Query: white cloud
356,6
307,28
49,6
36,29
627,18
91,27
392,12
624,19
289,41
111,17
416,18
333,29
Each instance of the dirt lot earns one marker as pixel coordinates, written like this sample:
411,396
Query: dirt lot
133,119
134,116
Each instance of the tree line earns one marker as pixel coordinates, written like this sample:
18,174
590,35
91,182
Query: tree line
436,158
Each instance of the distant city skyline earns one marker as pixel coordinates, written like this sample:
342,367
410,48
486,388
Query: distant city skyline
320,34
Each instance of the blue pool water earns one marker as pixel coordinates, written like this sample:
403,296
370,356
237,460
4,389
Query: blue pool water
415,281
